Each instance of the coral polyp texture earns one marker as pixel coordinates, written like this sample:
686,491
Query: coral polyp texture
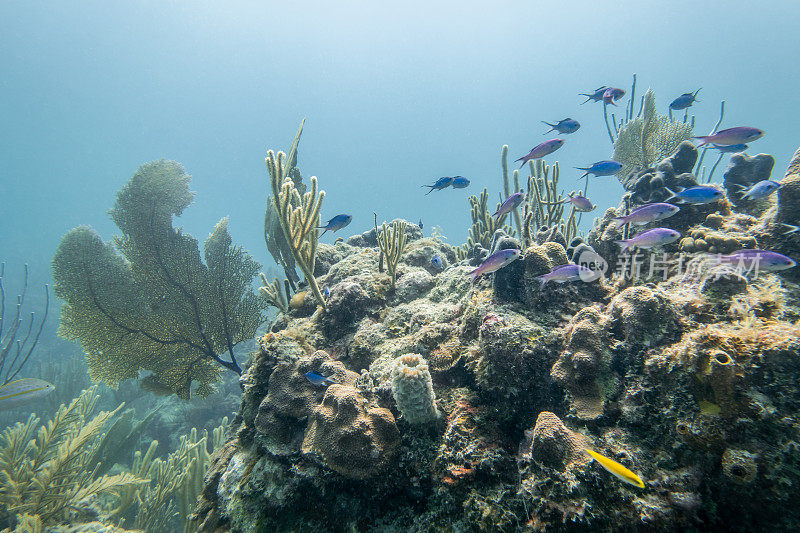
437,404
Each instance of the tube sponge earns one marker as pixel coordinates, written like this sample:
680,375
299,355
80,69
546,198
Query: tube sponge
412,389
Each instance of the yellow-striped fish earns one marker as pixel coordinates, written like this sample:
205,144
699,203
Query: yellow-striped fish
22,391
616,469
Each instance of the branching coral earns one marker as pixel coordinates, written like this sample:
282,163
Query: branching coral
275,293
158,307
14,352
507,189
483,224
392,241
648,138
545,205
298,213
46,472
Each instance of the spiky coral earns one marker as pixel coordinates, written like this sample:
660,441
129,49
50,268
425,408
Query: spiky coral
274,293
483,224
648,138
298,214
158,307
392,241
46,471
545,205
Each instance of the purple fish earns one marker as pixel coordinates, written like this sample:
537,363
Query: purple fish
509,205
595,95
650,239
762,189
701,194
649,213
565,273
541,150
581,203
684,101
612,94
495,262
601,168
737,135
754,259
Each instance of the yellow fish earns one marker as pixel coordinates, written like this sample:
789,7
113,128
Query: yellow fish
22,391
616,469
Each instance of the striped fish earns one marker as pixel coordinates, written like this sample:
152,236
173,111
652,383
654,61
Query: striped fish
22,391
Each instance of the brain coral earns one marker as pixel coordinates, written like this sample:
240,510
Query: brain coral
554,445
353,437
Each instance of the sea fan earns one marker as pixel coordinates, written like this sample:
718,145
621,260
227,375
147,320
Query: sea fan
648,138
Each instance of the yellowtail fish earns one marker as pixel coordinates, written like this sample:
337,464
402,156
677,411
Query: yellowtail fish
22,391
616,469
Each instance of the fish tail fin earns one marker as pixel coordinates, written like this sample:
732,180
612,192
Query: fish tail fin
552,128
619,220
323,233
474,275
542,280
703,140
672,195
792,229
625,244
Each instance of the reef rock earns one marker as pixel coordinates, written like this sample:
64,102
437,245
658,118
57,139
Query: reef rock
353,437
742,172
553,444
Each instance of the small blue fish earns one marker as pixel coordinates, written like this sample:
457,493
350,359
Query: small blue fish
595,95
568,125
762,189
701,194
509,205
731,149
441,183
319,379
684,101
459,182
437,262
326,292
336,223
601,168
420,224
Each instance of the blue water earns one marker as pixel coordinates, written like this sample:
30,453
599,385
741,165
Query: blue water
395,95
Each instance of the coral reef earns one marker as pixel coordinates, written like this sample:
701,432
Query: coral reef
469,406
742,172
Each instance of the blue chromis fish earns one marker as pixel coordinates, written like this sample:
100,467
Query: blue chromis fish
616,469
495,262
437,262
701,194
459,182
509,205
730,149
762,189
326,292
651,238
541,150
595,95
601,168
336,223
754,259
441,183
684,101
737,135
420,224
22,391
567,125
648,213
612,94
565,273
581,203
318,379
